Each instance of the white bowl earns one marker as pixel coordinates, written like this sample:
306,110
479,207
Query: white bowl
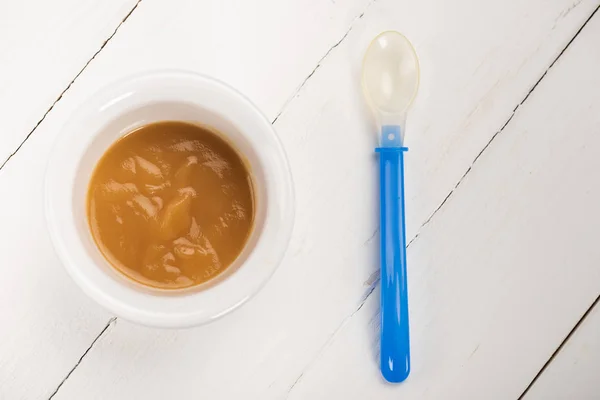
140,100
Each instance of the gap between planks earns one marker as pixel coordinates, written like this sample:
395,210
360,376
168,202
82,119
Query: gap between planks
560,347
299,88
110,323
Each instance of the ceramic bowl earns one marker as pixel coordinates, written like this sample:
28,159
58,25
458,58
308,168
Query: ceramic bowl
136,101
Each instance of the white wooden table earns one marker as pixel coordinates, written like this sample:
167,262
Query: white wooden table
503,183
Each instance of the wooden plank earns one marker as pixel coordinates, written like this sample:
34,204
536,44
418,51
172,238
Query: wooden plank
475,70
507,266
43,45
573,372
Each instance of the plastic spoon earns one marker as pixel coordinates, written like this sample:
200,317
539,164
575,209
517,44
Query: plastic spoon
390,79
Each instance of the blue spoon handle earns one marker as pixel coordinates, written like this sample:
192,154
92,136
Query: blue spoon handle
395,349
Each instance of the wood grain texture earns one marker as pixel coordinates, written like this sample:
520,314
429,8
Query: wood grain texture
573,372
267,348
507,266
43,45
475,70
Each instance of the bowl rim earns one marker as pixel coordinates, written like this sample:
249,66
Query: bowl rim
183,309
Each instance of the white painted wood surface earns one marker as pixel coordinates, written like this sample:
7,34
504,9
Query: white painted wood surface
573,373
43,46
481,281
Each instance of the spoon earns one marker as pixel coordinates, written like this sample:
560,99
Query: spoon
390,80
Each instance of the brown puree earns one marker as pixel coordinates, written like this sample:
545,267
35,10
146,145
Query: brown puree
170,205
